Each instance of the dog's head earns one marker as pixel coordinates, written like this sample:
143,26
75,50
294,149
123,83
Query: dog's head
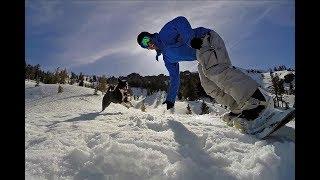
122,84
123,87
119,94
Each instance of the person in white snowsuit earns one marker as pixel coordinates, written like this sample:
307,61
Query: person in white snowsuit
227,84
177,41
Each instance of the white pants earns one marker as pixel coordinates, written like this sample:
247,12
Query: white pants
220,80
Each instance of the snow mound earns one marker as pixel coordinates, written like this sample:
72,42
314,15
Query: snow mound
66,137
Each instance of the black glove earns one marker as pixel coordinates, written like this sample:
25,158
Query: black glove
196,43
169,104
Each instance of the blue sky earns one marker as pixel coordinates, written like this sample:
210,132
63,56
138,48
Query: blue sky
99,37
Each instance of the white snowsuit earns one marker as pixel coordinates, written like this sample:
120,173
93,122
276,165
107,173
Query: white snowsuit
220,80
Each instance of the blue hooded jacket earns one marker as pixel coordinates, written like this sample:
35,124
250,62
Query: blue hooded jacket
173,42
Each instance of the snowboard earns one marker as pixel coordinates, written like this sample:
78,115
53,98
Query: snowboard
277,119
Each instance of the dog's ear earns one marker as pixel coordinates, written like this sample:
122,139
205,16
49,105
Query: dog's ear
111,88
122,83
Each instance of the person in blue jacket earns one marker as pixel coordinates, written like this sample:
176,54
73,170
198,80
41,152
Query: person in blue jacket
177,41
173,42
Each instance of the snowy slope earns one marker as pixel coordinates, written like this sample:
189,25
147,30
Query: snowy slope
154,103
264,79
67,138
283,73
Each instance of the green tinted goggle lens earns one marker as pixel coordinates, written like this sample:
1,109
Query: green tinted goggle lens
145,41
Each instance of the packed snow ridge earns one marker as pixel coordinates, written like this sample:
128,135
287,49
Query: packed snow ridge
67,137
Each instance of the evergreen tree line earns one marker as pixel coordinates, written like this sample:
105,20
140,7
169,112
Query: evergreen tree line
62,77
190,86
35,73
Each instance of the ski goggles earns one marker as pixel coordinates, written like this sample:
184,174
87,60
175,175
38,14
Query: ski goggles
145,42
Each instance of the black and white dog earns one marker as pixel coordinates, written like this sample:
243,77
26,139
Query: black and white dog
118,94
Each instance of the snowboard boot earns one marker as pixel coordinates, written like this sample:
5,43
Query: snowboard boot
229,116
255,107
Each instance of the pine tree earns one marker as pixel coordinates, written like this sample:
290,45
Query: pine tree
102,84
204,108
81,83
289,77
60,89
143,107
189,90
73,78
63,75
189,109
37,72
278,88
291,89
81,79
38,81
56,77
94,82
28,72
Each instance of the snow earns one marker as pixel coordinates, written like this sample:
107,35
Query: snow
283,73
67,137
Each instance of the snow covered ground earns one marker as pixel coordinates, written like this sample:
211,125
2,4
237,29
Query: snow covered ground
66,137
